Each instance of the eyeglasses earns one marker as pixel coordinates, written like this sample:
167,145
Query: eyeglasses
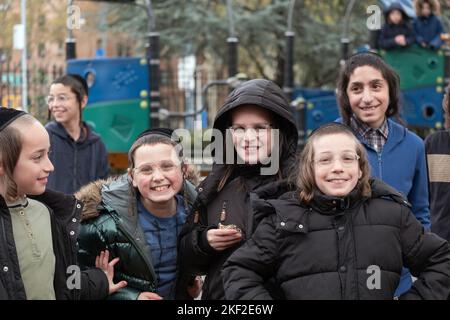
148,170
347,159
259,129
61,98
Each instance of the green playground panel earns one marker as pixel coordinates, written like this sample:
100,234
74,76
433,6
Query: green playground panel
417,67
118,122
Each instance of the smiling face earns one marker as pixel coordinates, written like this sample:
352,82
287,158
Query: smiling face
63,104
33,166
368,94
157,173
336,168
252,133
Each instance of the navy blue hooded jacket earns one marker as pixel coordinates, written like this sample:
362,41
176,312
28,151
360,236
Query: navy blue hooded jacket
428,30
386,39
76,162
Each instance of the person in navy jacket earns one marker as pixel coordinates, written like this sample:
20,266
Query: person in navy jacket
427,26
78,154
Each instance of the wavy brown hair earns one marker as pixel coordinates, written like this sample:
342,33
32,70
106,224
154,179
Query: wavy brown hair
306,182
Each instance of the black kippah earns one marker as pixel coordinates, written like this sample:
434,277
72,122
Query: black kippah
8,115
82,81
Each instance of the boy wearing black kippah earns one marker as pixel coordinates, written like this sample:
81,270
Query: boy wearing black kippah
78,154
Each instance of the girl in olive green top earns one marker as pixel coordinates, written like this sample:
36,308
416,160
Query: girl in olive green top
38,236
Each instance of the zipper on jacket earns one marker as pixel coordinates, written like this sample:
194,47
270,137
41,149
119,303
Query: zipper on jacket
379,158
380,169
139,250
339,240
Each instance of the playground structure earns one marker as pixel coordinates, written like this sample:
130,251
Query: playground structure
422,74
124,92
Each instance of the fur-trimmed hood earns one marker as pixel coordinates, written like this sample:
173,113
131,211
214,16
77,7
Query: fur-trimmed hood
91,196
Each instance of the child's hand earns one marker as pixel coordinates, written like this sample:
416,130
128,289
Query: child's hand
221,239
102,262
149,296
400,40
195,288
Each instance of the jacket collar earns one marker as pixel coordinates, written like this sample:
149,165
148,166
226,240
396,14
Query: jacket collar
86,134
117,195
426,19
22,202
331,205
63,205
397,133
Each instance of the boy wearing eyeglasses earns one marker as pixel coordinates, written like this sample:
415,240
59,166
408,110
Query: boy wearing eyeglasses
78,154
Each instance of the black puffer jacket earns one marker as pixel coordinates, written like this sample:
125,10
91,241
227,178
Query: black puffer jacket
108,223
197,255
333,249
65,214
